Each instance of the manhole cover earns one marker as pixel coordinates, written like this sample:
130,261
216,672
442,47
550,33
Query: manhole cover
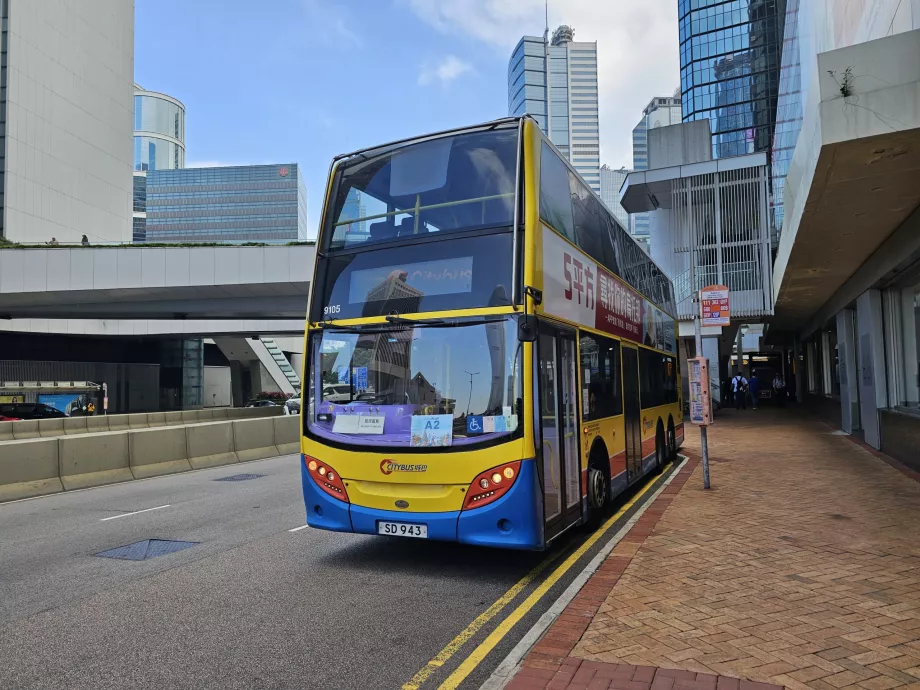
239,477
146,549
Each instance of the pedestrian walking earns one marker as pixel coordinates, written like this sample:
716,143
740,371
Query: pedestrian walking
739,388
84,241
779,390
754,387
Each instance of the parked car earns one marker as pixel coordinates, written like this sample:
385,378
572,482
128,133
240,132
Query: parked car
30,411
292,406
8,419
261,403
337,392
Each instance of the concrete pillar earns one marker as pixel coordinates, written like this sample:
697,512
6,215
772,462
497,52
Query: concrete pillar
797,360
237,371
739,345
849,381
826,364
911,335
873,391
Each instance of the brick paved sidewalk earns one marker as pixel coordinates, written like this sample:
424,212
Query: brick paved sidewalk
800,568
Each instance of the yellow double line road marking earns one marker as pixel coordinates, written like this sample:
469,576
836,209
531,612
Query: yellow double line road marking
475,658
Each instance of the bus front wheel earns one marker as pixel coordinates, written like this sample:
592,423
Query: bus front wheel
597,496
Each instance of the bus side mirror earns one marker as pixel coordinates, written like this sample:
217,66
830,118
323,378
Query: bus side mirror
527,328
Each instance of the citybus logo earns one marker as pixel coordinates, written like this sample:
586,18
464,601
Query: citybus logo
283,172
647,424
389,467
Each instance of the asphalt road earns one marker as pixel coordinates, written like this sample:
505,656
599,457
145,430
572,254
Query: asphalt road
251,605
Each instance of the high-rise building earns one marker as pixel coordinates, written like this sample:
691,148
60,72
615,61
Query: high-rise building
252,203
729,70
573,124
159,131
660,112
611,181
65,120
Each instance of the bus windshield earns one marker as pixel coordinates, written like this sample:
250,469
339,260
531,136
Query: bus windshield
417,387
450,184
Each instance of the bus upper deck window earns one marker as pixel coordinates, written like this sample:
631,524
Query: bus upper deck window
420,168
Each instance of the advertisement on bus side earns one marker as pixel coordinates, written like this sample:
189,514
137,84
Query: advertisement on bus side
577,288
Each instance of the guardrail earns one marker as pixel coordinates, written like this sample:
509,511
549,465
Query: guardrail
53,428
38,466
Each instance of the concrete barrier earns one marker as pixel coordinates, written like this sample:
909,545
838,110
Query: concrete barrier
137,421
287,434
236,412
219,412
210,444
154,452
27,428
156,419
254,439
74,425
94,459
172,418
119,422
97,423
190,416
6,431
51,428
29,468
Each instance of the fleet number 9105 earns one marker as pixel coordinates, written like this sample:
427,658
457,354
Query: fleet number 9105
333,309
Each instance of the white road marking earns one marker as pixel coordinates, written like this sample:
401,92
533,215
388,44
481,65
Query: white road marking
297,529
136,512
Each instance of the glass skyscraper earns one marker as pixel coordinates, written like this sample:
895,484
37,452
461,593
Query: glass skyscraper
252,203
159,131
729,60
573,124
611,181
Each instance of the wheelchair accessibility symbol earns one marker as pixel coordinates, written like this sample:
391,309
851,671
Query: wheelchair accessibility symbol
474,424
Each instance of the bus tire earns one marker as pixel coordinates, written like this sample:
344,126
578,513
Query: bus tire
598,485
660,449
672,441
597,497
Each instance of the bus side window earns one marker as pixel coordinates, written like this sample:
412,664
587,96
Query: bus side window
600,363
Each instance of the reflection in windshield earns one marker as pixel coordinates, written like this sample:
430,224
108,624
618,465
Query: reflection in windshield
463,182
462,381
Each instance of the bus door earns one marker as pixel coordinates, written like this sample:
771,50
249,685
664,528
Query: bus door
632,412
561,464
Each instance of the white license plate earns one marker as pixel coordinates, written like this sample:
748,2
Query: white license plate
402,529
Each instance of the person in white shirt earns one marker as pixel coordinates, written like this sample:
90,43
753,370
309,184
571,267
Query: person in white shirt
739,388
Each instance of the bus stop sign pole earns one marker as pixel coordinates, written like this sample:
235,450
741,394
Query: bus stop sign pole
700,396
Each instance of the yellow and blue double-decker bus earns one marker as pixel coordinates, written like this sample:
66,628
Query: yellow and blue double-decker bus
491,358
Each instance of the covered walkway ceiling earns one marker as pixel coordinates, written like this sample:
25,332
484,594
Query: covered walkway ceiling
862,191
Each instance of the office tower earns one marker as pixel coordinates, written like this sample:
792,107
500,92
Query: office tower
660,112
65,120
159,131
250,203
611,181
729,70
573,124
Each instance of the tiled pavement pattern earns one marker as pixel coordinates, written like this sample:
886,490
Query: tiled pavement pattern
801,567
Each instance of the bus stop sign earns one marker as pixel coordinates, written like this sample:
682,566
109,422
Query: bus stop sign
714,306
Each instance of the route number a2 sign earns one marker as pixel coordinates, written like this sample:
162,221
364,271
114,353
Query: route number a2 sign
714,306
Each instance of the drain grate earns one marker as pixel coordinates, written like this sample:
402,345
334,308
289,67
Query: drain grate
239,477
146,549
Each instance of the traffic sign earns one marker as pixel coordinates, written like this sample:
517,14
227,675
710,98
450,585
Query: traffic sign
714,306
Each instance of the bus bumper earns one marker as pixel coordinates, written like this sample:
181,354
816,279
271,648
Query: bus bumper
515,521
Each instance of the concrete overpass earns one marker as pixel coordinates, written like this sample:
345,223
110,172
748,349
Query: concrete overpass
235,295
229,283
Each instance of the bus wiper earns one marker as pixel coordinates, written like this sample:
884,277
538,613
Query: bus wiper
402,321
